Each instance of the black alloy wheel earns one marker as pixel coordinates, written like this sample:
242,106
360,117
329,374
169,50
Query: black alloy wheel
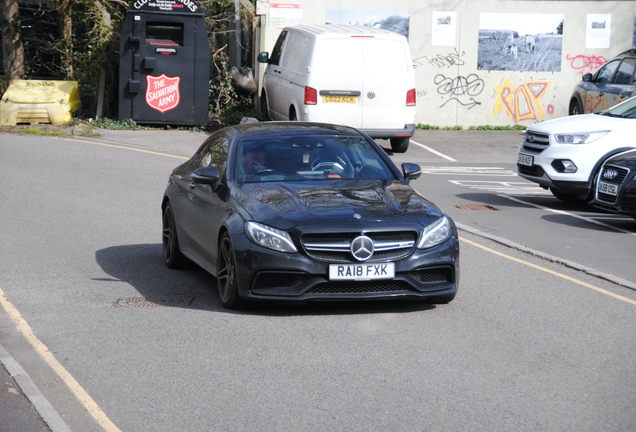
171,254
226,274
575,108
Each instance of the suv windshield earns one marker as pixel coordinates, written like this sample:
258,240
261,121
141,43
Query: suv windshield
308,157
626,109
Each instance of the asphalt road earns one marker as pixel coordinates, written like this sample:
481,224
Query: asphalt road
528,344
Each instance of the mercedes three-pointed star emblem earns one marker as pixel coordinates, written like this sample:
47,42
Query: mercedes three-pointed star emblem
362,248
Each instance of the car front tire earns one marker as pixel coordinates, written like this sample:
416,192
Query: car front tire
226,280
171,254
575,107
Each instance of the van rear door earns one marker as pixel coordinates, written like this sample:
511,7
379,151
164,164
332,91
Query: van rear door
387,78
337,74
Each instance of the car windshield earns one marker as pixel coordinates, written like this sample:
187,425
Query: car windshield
309,157
626,109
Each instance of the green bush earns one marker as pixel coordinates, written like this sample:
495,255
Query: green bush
426,127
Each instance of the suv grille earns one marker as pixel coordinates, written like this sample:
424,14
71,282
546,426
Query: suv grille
336,247
618,178
536,142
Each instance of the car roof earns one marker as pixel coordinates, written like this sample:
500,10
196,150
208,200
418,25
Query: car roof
293,128
628,53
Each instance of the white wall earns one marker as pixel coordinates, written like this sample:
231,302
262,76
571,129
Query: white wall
496,103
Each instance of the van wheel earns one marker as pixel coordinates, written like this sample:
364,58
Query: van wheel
264,109
575,108
292,114
399,145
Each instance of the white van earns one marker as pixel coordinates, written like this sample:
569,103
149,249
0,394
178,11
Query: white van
351,75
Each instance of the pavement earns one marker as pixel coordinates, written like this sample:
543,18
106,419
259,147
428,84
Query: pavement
23,408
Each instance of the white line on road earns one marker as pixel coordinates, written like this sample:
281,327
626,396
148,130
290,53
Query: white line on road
548,209
481,171
434,151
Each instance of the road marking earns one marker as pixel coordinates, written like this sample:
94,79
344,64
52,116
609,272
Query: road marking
482,171
122,147
84,398
548,209
514,188
448,158
552,272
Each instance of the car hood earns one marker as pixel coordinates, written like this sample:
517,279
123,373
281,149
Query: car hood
288,204
626,159
582,123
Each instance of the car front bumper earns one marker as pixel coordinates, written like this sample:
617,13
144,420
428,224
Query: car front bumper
272,276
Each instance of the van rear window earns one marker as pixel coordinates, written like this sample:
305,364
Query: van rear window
351,56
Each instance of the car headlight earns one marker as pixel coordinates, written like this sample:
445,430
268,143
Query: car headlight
269,237
435,234
579,138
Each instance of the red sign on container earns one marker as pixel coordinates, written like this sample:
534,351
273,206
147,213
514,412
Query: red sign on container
162,92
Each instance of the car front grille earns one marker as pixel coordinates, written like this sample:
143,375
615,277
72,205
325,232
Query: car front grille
617,179
336,247
380,286
535,142
269,280
433,276
534,170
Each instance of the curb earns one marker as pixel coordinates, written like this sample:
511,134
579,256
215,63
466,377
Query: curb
41,405
571,264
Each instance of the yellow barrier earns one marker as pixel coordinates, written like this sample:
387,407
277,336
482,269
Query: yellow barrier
39,101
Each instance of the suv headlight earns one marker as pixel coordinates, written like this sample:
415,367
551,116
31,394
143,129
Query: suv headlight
435,234
579,138
269,237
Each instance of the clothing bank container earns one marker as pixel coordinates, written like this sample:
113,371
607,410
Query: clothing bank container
164,63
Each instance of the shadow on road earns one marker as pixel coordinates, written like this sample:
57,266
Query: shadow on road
143,268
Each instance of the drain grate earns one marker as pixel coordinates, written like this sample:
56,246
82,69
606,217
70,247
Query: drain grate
153,302
476,207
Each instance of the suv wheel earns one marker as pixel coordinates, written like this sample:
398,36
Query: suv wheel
575,108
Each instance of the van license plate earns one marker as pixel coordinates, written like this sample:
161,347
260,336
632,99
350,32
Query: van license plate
608,188
339,99
524,159
361,272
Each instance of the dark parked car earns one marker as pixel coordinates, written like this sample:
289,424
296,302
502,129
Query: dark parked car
613,83
290,211
616,185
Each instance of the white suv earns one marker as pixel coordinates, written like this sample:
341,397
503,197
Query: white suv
565,154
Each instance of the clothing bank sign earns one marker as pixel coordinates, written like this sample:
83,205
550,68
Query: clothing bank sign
162,92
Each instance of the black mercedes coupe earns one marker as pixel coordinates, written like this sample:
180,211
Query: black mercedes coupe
289,211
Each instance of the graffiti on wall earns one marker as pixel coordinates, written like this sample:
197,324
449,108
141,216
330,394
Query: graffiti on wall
586,64
440,61
460,89
522,102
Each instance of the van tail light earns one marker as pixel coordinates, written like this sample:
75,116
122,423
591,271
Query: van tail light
410,97
311,96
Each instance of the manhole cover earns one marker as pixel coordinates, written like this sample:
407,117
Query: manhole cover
153,301
476,207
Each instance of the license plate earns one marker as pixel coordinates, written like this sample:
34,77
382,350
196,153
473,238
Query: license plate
524,159
360,272
608,188
339,99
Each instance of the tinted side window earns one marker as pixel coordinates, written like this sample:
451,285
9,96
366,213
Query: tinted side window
625,72
604,75
298,49
214,153
278,49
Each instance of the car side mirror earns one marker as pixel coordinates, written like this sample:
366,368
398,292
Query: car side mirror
206,175
587,77
411,171
263,57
